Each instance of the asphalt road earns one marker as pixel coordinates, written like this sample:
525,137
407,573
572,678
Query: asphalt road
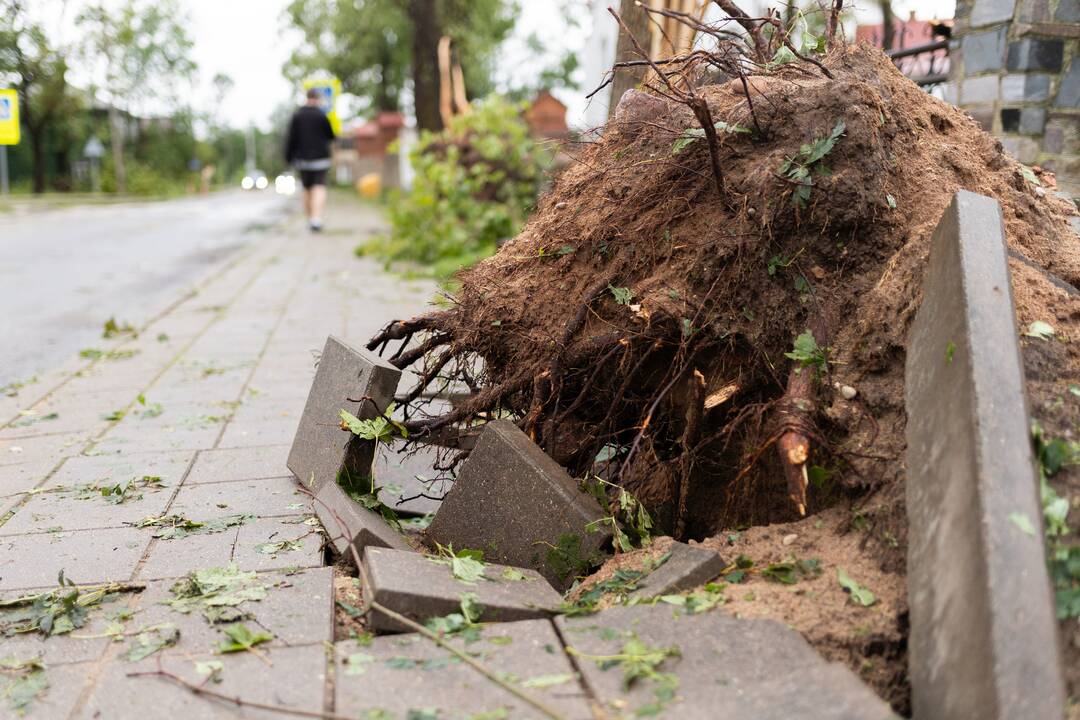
64,272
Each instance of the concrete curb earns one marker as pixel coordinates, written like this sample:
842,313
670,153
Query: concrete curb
984,641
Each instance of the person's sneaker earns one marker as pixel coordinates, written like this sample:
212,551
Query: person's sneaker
315,225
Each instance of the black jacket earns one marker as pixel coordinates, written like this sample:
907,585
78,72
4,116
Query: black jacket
309,135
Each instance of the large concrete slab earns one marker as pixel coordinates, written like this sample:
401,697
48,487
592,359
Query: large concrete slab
719,667
421,587
518,505
348,523
321,449
983,640
409,673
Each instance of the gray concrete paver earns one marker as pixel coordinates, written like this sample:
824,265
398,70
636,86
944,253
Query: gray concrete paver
85,556
227,464
252,552
267,497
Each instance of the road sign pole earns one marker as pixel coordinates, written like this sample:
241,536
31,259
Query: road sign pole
5,186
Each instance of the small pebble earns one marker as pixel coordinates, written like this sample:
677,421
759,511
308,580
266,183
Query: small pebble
751,212
788,539
848,392
1040,192
560,205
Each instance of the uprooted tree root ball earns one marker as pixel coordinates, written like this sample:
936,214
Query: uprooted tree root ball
732,351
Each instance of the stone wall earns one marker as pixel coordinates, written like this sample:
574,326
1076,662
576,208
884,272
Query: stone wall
1016,69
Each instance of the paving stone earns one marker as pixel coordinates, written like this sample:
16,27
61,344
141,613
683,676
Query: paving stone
176,558
85,509
409,673
1068,94
65,685
321,449
84,644
406,476
419,588
243,463
687,568
984,51
267,497
295,679
974,651
1025,88
1035,54
112,468
24,476
1032,120
253,534
727,667
362,527
86,557
515,503
132,440
42,448
298,610
266,432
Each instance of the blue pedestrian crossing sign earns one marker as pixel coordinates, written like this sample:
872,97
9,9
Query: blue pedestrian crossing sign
9,117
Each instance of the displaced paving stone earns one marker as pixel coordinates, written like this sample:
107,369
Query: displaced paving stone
405,476
721,667
321,449
687,567
409,673
294,678
420,587
975,650
520,507
363,527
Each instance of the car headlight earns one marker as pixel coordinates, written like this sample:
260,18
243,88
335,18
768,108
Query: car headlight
261,182
247,183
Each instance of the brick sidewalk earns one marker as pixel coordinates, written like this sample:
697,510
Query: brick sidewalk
223,374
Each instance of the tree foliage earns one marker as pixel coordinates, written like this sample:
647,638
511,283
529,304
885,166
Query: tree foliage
475,183
368,44
38,70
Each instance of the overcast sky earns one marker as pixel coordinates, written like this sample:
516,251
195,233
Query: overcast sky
246,40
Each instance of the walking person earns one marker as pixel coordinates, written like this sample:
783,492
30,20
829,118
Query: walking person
307,148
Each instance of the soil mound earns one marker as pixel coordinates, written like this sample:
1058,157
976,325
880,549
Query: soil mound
642,326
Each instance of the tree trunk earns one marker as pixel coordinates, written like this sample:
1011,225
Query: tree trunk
626,78
423,15
37,152
116,137
888,25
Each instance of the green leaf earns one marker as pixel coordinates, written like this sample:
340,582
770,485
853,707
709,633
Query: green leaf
152,639
950,351
859,594
622,295
513,575
1040,330
211,669
783,56
241,639
807,352
891,201
24,689
1029,175
467,569
1023,522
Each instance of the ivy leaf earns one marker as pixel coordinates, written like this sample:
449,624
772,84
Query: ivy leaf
859,594
241,639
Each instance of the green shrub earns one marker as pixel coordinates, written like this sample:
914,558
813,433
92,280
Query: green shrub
474,185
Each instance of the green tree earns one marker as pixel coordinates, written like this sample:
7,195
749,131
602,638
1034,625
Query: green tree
373,46
142,49
38,71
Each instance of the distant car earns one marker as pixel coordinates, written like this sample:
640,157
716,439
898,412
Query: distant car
285,184
255,180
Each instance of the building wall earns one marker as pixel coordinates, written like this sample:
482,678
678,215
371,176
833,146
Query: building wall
1016,69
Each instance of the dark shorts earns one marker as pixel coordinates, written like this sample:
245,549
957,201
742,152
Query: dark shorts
311,178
